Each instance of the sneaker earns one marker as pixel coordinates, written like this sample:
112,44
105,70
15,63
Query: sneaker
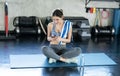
51,60
72,60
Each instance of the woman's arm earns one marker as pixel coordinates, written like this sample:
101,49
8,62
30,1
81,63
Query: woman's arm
49,28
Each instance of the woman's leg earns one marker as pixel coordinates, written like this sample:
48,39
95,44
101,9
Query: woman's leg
50,52
70,53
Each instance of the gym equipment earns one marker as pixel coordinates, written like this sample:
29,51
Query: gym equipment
103,0
40,61
6,34
6,19
116,21
102,31
42,27
102,3
84,30
26,25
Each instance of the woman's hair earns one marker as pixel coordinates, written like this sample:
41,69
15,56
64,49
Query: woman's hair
58,13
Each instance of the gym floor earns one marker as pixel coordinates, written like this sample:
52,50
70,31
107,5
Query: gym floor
31,45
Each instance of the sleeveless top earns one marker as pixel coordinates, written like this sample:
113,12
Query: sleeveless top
53,32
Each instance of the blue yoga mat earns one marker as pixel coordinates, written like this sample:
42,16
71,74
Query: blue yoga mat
35,61
97,59
40,61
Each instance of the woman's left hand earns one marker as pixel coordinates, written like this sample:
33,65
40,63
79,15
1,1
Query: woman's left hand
59,39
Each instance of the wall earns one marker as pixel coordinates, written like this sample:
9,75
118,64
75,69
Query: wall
43,8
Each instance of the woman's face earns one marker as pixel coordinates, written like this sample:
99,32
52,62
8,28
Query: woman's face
57,20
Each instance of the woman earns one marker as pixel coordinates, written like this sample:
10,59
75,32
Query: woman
59,32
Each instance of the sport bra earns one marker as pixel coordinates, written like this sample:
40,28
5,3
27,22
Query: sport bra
53,32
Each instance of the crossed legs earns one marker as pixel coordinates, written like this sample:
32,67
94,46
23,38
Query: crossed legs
64,53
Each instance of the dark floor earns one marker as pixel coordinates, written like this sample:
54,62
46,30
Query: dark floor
31,45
